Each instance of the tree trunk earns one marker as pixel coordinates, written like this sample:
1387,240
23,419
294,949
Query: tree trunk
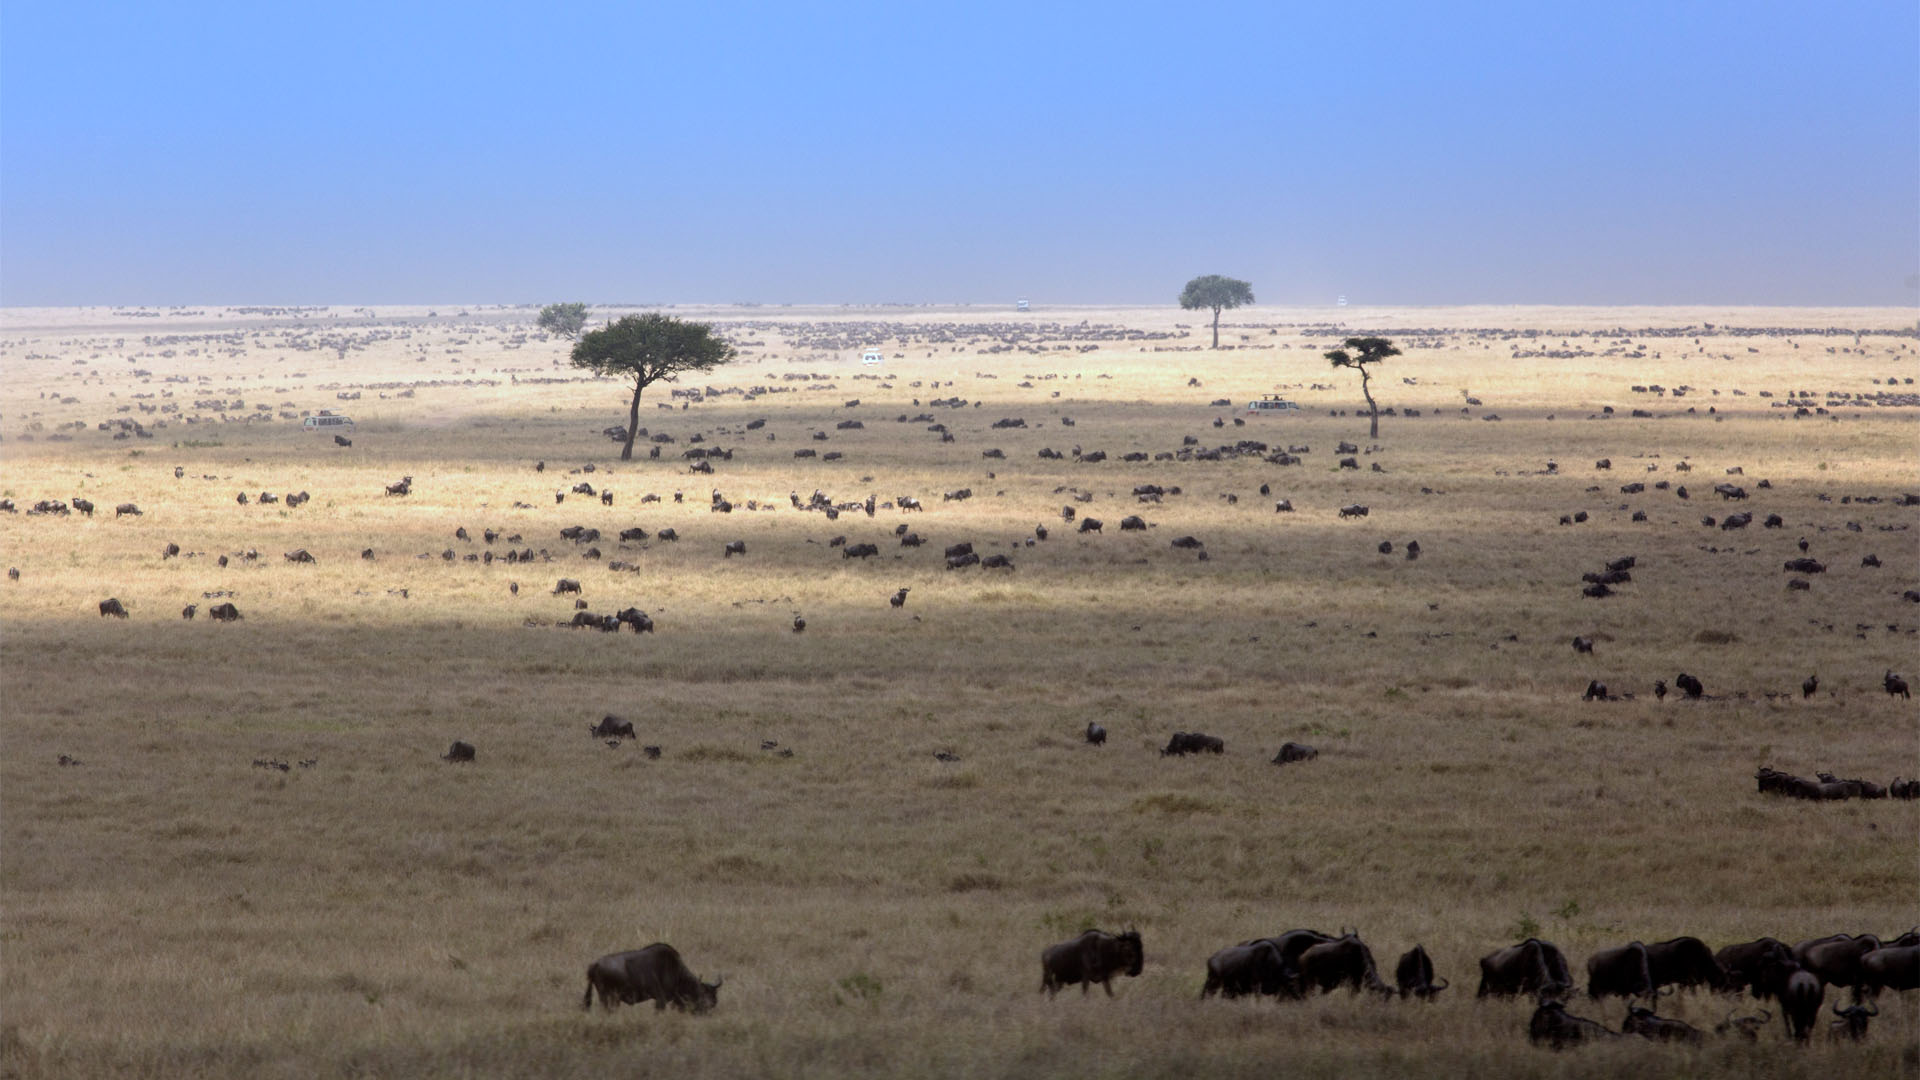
1373,407
1216,328
633,422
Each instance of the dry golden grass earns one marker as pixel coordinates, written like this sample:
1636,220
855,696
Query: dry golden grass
168,909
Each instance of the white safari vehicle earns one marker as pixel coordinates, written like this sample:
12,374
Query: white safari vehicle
1271,403
870,357
327,420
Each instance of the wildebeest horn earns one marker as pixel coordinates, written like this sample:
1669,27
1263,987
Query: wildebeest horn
1443,985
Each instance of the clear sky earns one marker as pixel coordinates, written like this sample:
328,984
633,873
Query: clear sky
1398,153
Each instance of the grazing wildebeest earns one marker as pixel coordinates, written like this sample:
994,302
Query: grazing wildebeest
959,562
1684,962
1852,1023
911,539
1642,1022
635,618
125,509
1531,967
1344,961
996,562
1353,510
612,727
1621,972
1188,542
189,611
1414,975
898,599
1747,1027
1089,524
1890,967
223,612
859,551
1293,751
112,606
667,534
565,585
628,535
1895,685
1553,1025
342,440
734,547
655,973
1689,685
1835,959
298,555
1193,743
1583,644
1133,523
1093,957
1096,734
1596,691
1254,968
458,752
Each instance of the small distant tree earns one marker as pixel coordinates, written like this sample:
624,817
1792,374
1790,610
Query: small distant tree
648,349
1358,353
563,320
1218,293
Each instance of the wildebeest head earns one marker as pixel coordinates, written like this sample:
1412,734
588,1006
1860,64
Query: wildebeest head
1747,1027
1853,1021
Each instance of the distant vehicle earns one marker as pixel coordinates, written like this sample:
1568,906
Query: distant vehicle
870,357
1271,403
327,420
1023,305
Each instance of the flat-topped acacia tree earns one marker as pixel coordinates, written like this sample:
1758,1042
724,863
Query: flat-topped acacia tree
1216,292
563,320
648,349
1365,350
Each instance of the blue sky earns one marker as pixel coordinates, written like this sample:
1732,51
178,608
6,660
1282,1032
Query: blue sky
1722,153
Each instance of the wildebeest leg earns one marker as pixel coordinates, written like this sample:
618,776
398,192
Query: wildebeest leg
1107,985
587,1002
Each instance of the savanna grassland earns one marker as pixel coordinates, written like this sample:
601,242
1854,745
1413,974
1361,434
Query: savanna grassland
168,907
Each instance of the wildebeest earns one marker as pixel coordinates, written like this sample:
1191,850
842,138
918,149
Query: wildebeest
565,585
1890,967
1414,975
1353,510
125,509
1583,644
225,612
612,727
1852,1023
1689,685
1622,972
402,487
342,440
1133,523
298,555
1895,685
635,618
1096,734
1684,962
655,973
1596,592
189,611
1835,959
83,506
898,599
1642,1022
458,752
1188,543
1253,968
1553,1025
1293,751
1530,967
960,562
734,547
1089,524
1747,1027
996,562
112,606
1344,961
1093,957
1800,993
590,621
1811,685
667,534
1193,743
1596,691
859,551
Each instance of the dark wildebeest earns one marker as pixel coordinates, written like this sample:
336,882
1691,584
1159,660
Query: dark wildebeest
1744,962
1093,957
1552,1025
1852,1023
1622,972
956,550
1684,962
1689,685
1747,1027
1800,993
1835,959
125,509
996,562
342,440
1254,968
1096,734
1133,523
1193,743
961,562
1293,751
1596,691
655,973
1414,975
1808,688
223,612
189,611
1089,524
859,551
612,727
898,599
565,585
735,547
112,606
1583,644
403,487
298,555
1890,967
1895,685
633,534
1344,961
83,506
1642,1022
667,534
1531,967
1188,542
1354,510
458,752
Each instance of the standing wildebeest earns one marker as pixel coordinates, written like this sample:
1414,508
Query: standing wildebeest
403,487
125,509
859,551
1642,1022
189,611
1531,967
1344,961
1852,1023
1890,967
1194,743
1800,993
1096,734
112,606
565,585
1623,972
1689,685
1551,1024
1596,691
1133,523
655,973
1354,510
898,599
1836,959
223,612
83,506
1896,686
735,547
1414,975
1089,524
458,752
1744,962
1684,961
1808,688
612,727
1093,957
1255,968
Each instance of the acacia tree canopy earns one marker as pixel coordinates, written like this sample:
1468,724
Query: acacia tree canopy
647,349
1218,293
1357,354
563,320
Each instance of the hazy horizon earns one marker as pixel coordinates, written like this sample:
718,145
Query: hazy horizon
1712,155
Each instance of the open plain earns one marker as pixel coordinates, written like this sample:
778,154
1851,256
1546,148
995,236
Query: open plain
257,863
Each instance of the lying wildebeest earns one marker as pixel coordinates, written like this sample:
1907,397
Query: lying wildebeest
1689,685
1096,734
1353,510
1747,1027
1895,685
298,555
1344,961
403,487
1621,972
1890,967
1193,743
1254,968
655,973
1642,1022
458,752
960,562
859,551
1531,967
1684,962
125,509
996,562
1093,957
223,612
612,727
565,585
1744,962
1596,592
1414,975
1293,751
112,606
1852,1023
1089,524
1553,1025
1133,523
